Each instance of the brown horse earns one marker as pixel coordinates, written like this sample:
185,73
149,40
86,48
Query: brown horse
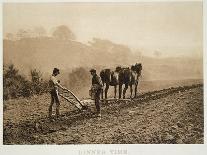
109,78
121,76
135,74
129,77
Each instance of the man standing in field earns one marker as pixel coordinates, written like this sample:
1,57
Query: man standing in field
96,88
54,84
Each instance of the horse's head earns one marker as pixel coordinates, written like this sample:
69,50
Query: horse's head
118,69
137,67
133,68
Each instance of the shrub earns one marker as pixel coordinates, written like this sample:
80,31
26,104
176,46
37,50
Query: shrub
13,82
16,85
36,77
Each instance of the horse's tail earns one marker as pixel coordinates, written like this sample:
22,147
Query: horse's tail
105,75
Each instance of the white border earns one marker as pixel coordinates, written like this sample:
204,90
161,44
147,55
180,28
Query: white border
1,73
204,67
45,1
132,149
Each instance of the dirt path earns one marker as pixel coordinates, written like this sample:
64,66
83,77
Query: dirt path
172,115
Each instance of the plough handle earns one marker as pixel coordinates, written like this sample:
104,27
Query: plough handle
74,96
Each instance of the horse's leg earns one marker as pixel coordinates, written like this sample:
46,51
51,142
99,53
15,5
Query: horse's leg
135,91
131,90
124,91
115,91
120,90
102,91
106,90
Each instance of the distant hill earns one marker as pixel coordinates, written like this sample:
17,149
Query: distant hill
47,53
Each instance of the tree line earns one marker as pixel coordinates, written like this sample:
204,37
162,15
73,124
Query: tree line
61,32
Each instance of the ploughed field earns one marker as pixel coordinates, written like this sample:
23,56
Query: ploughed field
171,115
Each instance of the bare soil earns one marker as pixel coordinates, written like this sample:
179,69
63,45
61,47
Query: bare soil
173,115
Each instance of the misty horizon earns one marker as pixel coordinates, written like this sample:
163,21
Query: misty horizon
164,28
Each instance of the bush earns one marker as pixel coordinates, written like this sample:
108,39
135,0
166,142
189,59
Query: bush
16,85
37,82
26,89
12,82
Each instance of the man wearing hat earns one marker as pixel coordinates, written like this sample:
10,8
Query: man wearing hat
97,88
54,84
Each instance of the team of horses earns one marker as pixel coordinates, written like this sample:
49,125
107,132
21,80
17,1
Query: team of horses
128,77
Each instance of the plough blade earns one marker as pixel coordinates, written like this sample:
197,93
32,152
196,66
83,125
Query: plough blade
70,97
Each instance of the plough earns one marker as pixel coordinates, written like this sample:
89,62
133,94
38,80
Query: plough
82,104
71,98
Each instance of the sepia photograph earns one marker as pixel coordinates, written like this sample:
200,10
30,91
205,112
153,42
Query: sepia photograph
103,73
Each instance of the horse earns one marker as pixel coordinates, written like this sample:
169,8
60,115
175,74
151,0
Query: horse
121,76
109,78
129,77
135,74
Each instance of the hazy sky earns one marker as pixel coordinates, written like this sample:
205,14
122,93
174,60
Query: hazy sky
173,28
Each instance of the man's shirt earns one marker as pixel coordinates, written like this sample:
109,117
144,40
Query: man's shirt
53,83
